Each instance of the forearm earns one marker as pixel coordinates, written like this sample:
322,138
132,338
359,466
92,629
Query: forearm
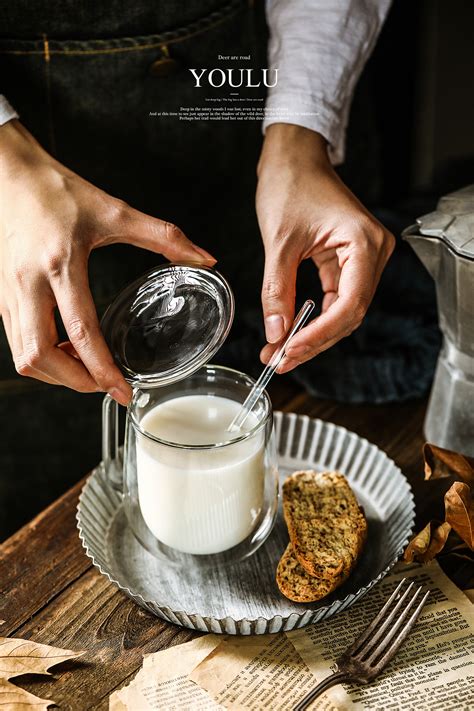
7,112
287,144
16,143
320,48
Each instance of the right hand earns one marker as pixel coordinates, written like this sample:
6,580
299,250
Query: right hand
50,221
305,212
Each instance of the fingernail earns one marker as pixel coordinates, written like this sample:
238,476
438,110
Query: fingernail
120,394
208,258
287,364
274,328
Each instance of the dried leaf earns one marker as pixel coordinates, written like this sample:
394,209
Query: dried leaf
442,463
15,699
460,511
21,656
427,543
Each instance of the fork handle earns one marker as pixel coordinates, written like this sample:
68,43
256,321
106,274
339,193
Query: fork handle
324,685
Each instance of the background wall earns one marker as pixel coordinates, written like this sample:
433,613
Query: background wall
443,155
420,80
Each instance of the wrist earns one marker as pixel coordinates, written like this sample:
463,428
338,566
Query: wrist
18,147
286,144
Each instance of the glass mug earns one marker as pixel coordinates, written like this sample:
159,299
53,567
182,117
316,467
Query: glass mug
195,504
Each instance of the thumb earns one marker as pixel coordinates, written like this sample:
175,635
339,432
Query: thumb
278,293
163,237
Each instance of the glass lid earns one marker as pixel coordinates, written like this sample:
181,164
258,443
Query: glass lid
168,323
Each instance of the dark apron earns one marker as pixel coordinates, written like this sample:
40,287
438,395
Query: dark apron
84,78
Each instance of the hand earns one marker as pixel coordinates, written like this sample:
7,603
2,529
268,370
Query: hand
306,212
50,221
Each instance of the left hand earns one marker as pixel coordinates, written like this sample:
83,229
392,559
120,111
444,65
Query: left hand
306,212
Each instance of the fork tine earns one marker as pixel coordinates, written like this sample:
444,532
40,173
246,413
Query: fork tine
364,652
368,630
379,648
402,635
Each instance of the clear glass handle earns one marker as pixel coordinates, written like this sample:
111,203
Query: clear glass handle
111,455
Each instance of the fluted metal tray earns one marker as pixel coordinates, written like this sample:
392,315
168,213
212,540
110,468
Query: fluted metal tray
244,599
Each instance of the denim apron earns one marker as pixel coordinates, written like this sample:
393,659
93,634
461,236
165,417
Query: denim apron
86,79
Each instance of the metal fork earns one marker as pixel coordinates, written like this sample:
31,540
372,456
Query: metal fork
376,646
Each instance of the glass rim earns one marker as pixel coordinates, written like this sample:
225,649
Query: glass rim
202,447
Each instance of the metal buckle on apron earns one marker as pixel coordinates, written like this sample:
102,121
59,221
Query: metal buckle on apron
165,65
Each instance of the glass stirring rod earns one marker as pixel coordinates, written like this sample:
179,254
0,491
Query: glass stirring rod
270,368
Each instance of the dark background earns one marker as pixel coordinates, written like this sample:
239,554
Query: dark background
410,140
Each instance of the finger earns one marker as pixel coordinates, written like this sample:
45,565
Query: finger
163,237
291,363
337,322
278,292
68,348
329,270
79,316
328,300
40,358
12,339
287,365
359,277
329,275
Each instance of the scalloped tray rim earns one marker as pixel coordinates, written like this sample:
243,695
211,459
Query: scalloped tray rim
211,622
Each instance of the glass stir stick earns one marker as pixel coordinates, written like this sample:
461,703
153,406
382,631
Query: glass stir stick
270,368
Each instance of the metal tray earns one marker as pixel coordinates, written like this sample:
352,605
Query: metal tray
244,599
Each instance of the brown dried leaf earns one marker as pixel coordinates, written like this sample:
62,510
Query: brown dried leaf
21,656
15,699
460,511
442,463
427,543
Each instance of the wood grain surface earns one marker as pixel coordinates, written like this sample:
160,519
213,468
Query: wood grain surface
49,591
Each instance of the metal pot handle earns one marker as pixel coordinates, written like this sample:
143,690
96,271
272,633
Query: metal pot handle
112,460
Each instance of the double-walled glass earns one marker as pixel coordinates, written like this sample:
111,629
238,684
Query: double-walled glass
200,504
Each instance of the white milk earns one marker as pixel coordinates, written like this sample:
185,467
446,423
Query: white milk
199,501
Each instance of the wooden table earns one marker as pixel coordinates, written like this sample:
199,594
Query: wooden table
50,593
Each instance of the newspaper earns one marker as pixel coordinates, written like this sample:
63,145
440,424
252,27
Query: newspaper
434,670
261,672
162,682
258,672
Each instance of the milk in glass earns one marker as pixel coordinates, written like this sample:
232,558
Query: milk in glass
199,500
